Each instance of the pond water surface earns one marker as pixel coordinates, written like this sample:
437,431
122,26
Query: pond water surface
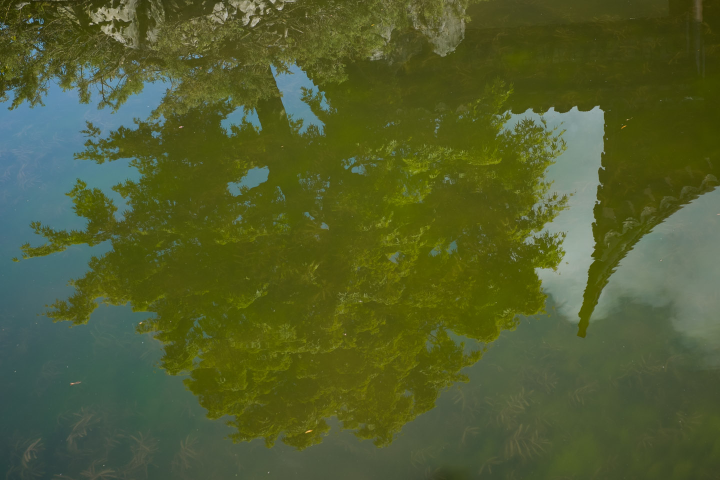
380,239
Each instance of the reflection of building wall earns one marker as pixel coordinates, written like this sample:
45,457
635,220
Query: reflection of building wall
136,23
249,12
444,33
130,22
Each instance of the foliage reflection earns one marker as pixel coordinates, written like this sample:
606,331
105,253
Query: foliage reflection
338,286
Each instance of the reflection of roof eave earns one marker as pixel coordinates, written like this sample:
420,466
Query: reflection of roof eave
608,257
605,265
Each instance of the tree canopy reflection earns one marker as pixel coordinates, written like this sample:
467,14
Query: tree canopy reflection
339,285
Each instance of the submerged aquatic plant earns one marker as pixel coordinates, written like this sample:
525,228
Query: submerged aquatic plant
506,409
186,455
636,372
86,420
143,451
468,431
91,473
31,452
544,379
25,463
687,422
433,473
111,441
525,443
421,457
49,370
579,396
488,464
104,340
460,397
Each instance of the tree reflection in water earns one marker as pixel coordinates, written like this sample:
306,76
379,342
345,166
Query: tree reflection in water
339,286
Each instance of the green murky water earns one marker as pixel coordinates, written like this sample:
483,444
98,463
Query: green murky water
441,239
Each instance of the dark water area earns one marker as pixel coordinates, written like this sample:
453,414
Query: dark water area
416,239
